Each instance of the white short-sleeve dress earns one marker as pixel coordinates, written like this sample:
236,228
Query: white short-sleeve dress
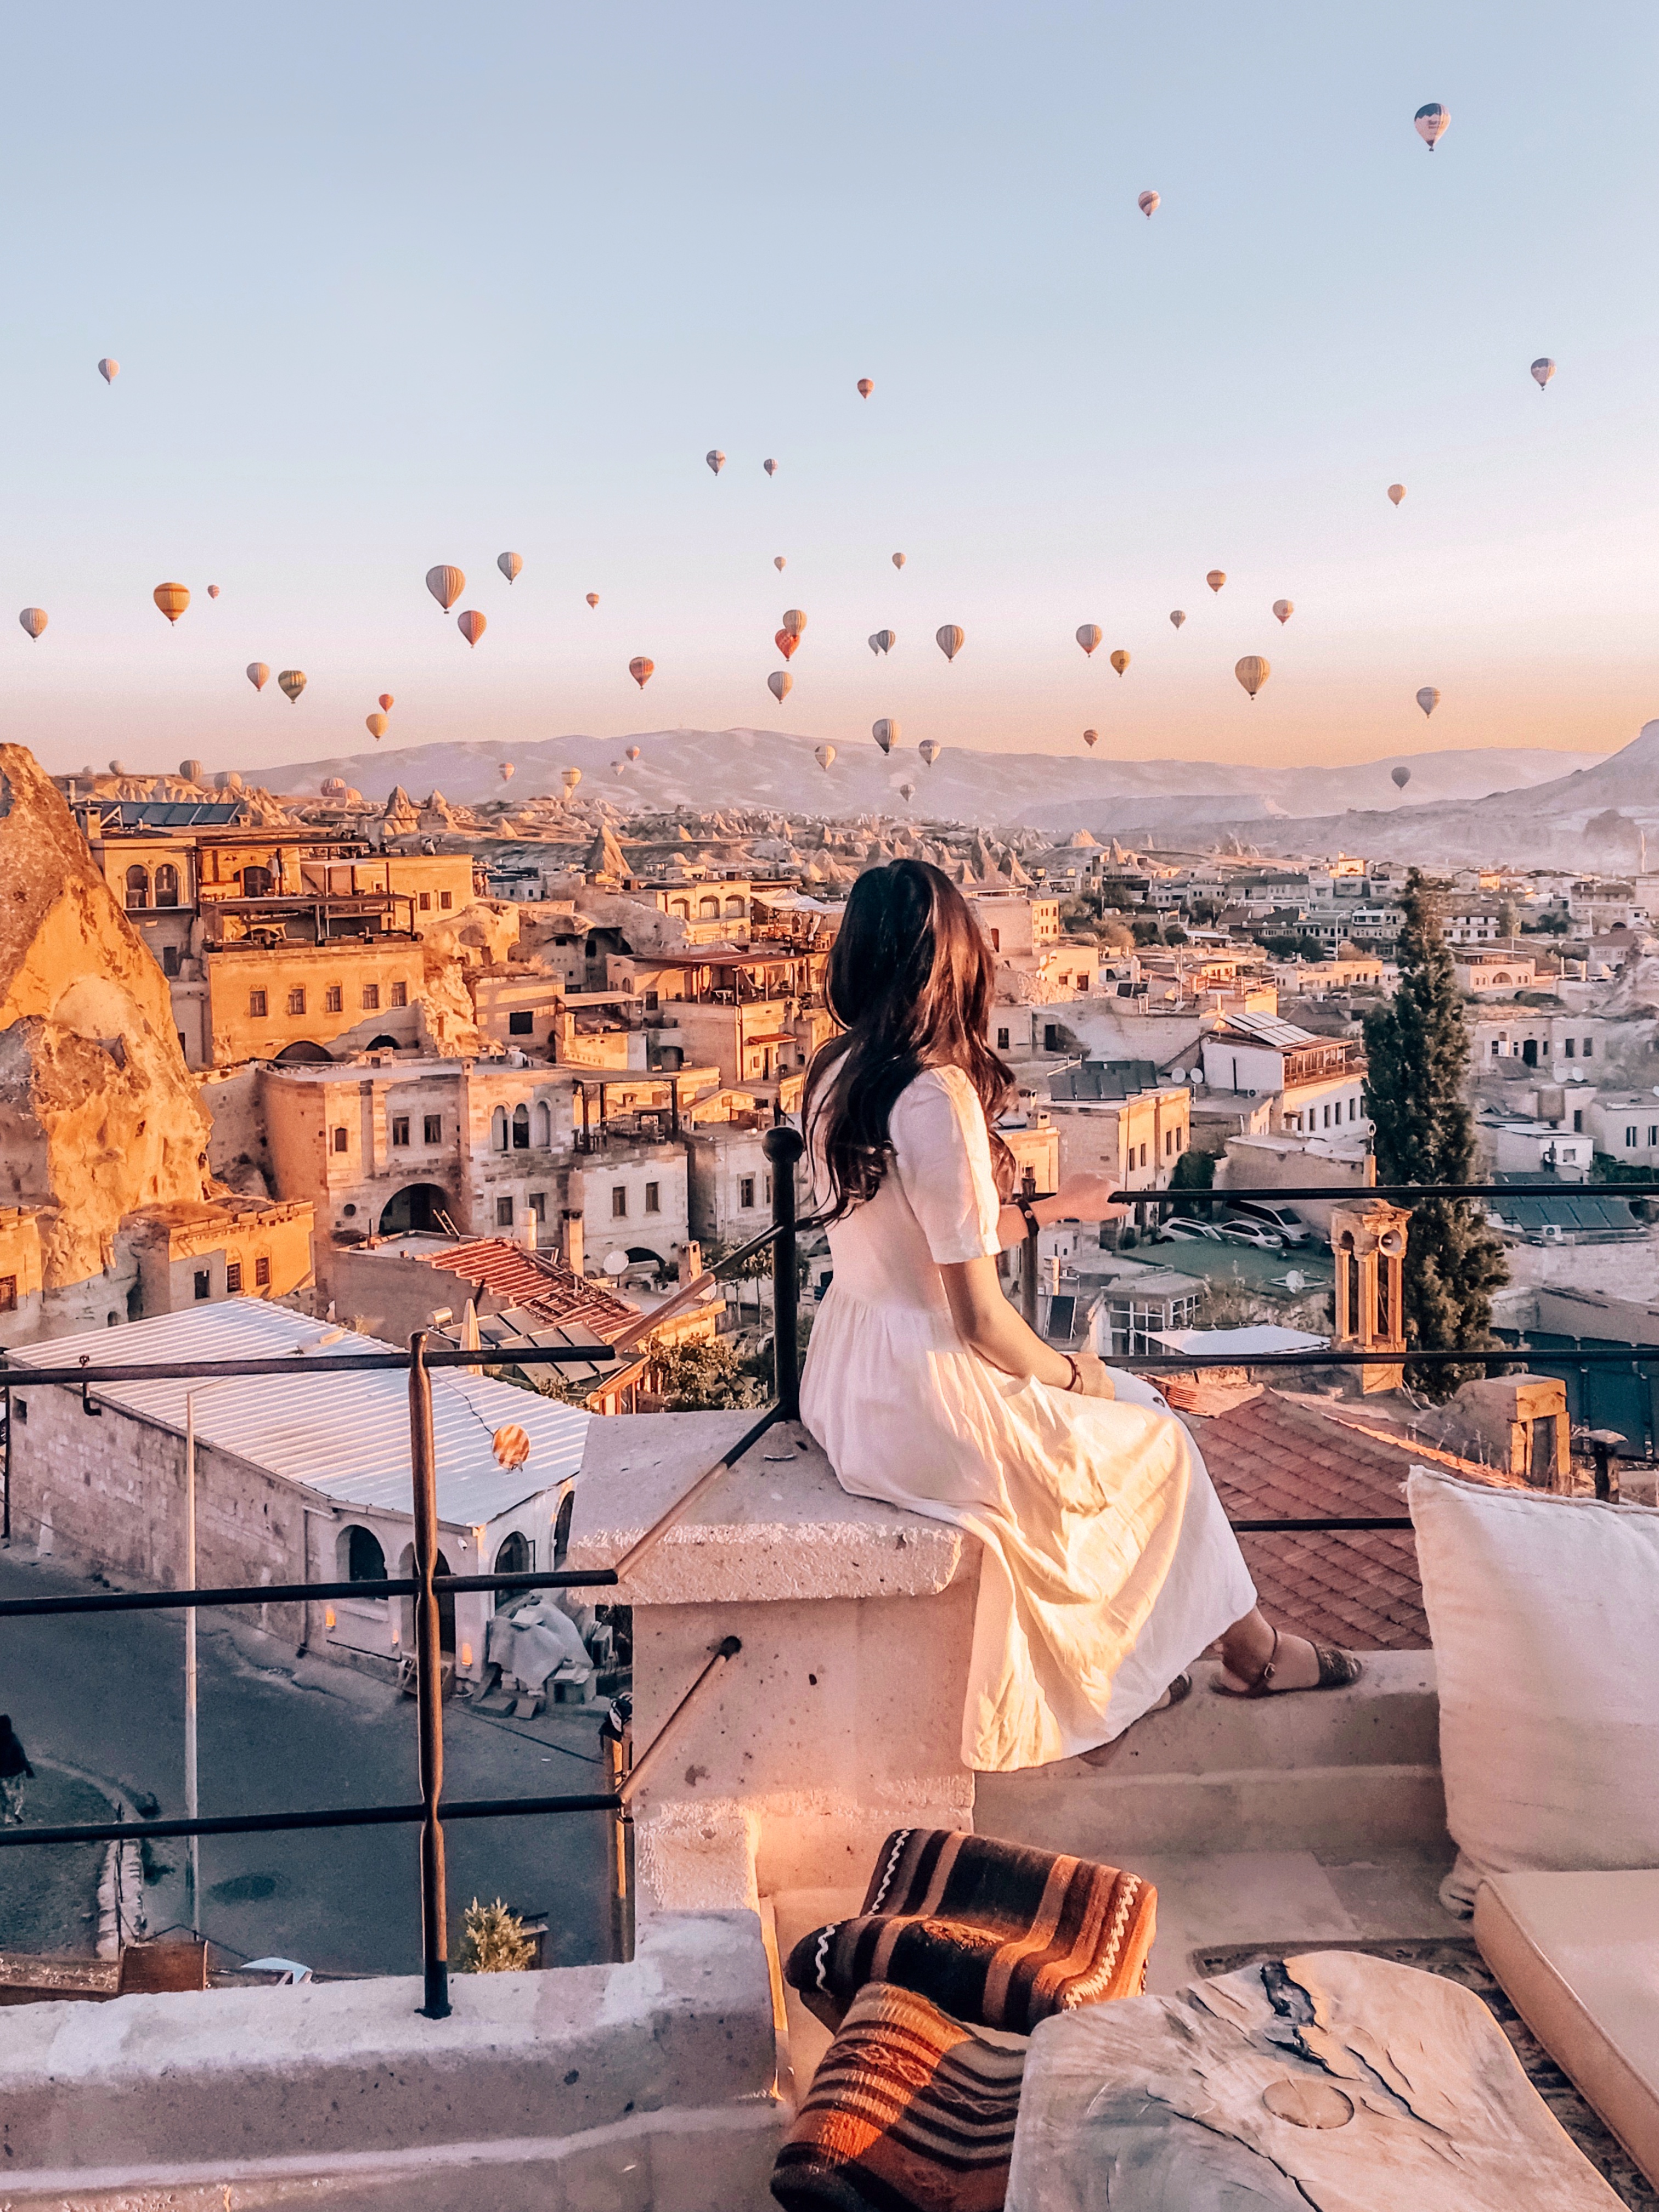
1107,1563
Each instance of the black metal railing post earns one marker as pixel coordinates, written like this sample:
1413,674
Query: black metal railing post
782,1148
1028,1260
429,1684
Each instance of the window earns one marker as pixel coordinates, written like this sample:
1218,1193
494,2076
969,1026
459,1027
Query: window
996,940
652,1002
1653,1133
543,1122
1571,1041
256,1004
1002,1040
619,1201
708,909
503,1213
400,995
1578,1121
426,902
138,886
296,1002
365,1562
400,1128
203,1284
1168,1142
432,1129
538,1203
445,901
1630,1136
517,1556
1143,1155
334,999
262,1271
745,1192
521,1024
8,1294
169,960
1589,1048
521,1128
653,1198
340,1140
1327,1117
371,998
232,1276
498,1130
167,885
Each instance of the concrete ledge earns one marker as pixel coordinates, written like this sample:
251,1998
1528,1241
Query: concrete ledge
349,2080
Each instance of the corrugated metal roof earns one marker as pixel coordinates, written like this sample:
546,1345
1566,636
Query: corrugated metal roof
346,1438
1270,1028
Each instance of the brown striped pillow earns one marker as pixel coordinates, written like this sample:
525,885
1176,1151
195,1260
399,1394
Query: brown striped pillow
994,1933
908,2111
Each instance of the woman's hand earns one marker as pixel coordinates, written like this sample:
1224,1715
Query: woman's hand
1093,1376
1086,1197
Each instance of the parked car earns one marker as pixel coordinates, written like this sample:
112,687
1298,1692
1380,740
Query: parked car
1284,1219
1252,1233
1185,1231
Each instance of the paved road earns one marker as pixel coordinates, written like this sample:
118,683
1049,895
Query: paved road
104,1696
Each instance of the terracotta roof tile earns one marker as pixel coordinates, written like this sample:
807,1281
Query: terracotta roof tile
538,1284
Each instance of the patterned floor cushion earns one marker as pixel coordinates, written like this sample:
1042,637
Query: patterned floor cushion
908,2111
995,1933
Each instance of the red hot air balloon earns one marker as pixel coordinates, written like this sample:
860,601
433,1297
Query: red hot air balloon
1090,738
471,625
593,599
386,702
641,669
785,641
865,387
213,591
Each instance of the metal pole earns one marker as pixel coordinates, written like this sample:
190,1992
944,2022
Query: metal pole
192,1810
782,1146
617,1735
1028,1260
428,1683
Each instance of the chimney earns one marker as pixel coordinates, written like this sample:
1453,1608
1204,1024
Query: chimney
690,1262
570,1241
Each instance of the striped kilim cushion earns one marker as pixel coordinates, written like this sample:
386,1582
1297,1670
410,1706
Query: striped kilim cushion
908,2111
995,1933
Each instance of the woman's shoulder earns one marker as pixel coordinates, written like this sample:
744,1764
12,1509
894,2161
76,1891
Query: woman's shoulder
937,1091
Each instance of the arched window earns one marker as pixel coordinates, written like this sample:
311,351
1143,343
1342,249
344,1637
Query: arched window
363,1560
734,907
513,1558
498,1130
167,885
682,908
138,886
542,1130
521,1128
258,882
708,909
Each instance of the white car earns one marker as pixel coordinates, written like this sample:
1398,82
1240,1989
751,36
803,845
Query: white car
1252,1233
1186,1230
1284,1220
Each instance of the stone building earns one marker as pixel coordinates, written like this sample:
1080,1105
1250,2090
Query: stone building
1116,1118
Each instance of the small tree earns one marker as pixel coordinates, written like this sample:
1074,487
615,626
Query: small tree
494,1942
704,1377
1419,1051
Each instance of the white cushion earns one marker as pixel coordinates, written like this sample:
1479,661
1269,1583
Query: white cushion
1579,1955
1544,1614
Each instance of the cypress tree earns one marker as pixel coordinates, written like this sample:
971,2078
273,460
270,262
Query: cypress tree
1419,1053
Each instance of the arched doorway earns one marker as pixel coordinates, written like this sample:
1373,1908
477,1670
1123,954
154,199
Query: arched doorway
417,1208
511,1559
445,1607
302,1051
381,1044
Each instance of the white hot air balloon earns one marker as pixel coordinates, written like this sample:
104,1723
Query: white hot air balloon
511,565
907,792
930,750
950,639
1542,369
1089,635
779,684
1428,699
109,369
824,756
1283,608
1148,204
715,458
1430,122
885,734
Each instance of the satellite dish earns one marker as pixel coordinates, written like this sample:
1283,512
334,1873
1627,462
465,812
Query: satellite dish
1198,1075
615,1263
1178,1075
1296,1280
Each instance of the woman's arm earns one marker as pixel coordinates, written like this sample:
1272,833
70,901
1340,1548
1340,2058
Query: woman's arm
988,1325
1084,1198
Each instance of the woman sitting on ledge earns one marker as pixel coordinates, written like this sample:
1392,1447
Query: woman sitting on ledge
1107,1563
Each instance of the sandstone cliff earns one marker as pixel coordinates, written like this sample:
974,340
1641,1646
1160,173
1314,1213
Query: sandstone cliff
98,1112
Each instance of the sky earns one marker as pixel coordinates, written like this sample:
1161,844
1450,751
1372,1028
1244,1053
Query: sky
391,286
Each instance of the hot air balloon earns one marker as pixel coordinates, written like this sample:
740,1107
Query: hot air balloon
1120,661
213,591
1396,493
445,584
1149,204
116,768
511,1446
471,625
785,643
885,734
907,792
334,787
930,750
715,458
510,564
1216,579
949,640
884,641
505,771
1090,738
386,702
569,777
1432,123
1252,673
108,369
258,674
172,598
779,562
1542,369
641,669
1400,776
190,770
34,620
377,725
865,387
619,768
824,754
633,752
779,684
291,682
795,622
1088,636
1428,699
898,560
593,599
1283,608
770,467
1177,615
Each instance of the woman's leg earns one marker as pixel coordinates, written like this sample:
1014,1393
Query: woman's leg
1248,1646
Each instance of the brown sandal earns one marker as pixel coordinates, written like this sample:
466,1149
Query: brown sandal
1338,1669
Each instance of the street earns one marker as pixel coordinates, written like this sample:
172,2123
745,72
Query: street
102,1698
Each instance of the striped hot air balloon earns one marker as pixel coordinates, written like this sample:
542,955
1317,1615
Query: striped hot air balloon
641,669
950,640
510,564
34,620
795,622
1148,204
1253,672
1088,636
172,598
930,749
446,584
885,734
510,1445
779,684
258,674
1216,579
291,682
471,625
1090,738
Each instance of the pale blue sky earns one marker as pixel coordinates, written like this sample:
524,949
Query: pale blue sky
396,286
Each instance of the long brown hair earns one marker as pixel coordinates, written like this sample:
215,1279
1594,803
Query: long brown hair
911,982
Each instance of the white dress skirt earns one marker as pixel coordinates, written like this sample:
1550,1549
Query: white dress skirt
1107,1563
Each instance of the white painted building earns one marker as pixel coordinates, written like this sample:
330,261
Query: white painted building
1317,1082
731,1181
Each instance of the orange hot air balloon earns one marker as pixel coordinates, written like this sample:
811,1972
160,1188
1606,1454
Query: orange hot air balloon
885,734
291,682
387,702
506,771
1253,672
471,625
1088,636
258,674
1283,608
172,598
34,620
1120,661
641,669
1396,493
898,560
779,562
377,726
633,752
445,584
511,565
865,387
786,644
1090,738
593,599
1177,615
1216,579
795,622
108,369
213,591
949,640
779,684
511,1446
